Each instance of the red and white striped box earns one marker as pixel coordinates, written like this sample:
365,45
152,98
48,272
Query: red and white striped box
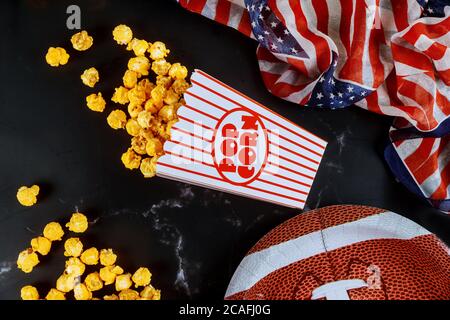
226,141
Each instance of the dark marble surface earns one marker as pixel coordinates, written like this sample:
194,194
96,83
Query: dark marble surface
191,238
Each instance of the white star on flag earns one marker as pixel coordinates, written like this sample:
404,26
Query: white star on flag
319,95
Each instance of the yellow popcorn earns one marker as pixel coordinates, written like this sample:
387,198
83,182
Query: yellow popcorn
150,106
131,161
154,147
90,77
81,292
133,127
27,196
41,245
147,134
167,113
141,277
171,97
150,293
73,247
95,102
128,294
164,81
161,67
148,167
158,50
65,283
144,119
130,79
137,95
107,257
55,294
139,47
134,110
81,41
53,231
177,71
123,282
108,275
138,144
78,223
75,267
111,297
29,293
57,56
117,119
122,34
141,65
90,256
158,94
93,281
180,86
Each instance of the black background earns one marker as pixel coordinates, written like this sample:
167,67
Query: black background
190,237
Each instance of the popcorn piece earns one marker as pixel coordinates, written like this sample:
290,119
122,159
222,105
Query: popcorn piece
56,57
144,119
75,267
73,247
171,97
117,119
123,282
154,147
78,223
158,50
81,41
164,81
53,231
141,65
141,277
122,34
158,94
131,161
150,293
167,113
150,106
133,127
111,297
65,283
93,281
120,95
148,167
27,196
107,274
90,77
107,257
177,71
29,293
55,294
180,86
139,144
95,102
134,110
161,67
81,292
41,245
117,270
139,47
90,256
128,294
130,79
137,95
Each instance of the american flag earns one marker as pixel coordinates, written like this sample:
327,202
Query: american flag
391,57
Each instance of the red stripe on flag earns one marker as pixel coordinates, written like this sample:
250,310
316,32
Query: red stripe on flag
196,5
223,11
400,12
321,9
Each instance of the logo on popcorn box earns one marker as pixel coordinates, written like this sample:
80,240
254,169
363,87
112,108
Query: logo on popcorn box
240,146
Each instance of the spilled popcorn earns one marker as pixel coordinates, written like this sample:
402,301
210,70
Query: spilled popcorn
71,280
151,104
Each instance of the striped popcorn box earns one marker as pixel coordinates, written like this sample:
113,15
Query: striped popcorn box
228,142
